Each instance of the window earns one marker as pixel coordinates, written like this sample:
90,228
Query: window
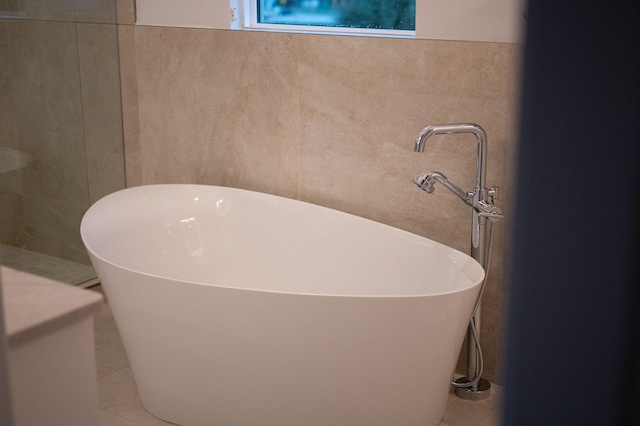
470,20
374,17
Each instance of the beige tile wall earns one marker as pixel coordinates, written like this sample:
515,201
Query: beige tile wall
101,112
326,119
61,105
43,105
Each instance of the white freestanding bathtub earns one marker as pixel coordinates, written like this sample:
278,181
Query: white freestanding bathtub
241,308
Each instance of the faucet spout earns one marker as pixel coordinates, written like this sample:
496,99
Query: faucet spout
481,137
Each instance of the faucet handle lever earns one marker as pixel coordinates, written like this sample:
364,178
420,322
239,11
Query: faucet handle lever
489,211
493,194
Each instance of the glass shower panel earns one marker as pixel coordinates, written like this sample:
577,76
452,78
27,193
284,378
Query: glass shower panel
60,130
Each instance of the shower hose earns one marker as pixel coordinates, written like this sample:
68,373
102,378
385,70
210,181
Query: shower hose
479,367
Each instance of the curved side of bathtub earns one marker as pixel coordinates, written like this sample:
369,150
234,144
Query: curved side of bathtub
210,355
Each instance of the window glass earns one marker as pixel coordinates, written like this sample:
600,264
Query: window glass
372,14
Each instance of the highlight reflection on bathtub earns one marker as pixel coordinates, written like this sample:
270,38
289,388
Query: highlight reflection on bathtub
241,308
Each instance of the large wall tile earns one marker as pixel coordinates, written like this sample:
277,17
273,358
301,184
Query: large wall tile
130,110
126,11
96,11
218,107
101,106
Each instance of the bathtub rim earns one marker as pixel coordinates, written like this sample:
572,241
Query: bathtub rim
465,268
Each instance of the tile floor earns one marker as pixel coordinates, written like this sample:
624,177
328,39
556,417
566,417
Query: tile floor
120,404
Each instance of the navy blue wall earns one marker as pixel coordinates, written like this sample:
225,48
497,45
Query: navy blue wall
573,342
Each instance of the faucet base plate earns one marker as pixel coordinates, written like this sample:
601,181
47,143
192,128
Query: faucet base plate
482,391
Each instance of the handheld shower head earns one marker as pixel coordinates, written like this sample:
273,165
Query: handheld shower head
426,182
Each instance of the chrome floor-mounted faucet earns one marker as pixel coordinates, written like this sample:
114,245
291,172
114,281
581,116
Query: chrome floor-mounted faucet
481,198
483,203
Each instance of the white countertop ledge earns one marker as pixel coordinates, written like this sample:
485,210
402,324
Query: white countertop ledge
35,305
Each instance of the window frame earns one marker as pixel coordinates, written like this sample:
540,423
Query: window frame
245,17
